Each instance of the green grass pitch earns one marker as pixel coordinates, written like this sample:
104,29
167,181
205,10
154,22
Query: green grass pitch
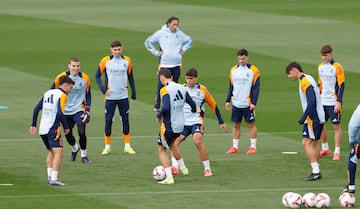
37,38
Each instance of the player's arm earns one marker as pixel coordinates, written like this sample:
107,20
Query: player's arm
311,103
131,80
340,79
61,108
36,111
165,100
101,69
150,44
209,99
191,102
187,43
255,88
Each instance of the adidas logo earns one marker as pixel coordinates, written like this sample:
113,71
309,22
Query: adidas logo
334,120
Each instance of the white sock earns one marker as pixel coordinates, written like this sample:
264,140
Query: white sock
337,150
324,146
107,146
168,172
236,143
206,164
181,163
83,153
75,148
315,167
49,171
127,145
351,187
174,162
54,175
253,143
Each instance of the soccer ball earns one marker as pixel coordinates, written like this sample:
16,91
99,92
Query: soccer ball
294,200
322,200
159,173
285,199
309,200
347,200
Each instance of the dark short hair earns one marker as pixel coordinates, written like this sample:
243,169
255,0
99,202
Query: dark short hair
66,79
115,44
326,49
293,65
74,59
165,72
172,18
192,72
242,52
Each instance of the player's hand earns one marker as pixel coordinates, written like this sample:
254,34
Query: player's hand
182,52
32,130
223,127
227,106
352,145
85,117
337,107
159,120
160,53
252,107
66,131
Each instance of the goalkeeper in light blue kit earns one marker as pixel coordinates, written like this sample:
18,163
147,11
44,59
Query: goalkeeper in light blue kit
77,109
354,140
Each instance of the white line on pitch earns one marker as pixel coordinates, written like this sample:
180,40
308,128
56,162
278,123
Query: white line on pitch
168,192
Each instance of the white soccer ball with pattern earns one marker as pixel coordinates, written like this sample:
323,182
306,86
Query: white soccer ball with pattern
295,200
347,200
322,200
285,199
309,200
159,173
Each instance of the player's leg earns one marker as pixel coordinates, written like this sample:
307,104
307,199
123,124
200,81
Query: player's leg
124,114
352,165
203,153
311,135
49,157
81,126
175,149
164,159
325,150
335,121
70,138
236,117
174,162
57,150
109,114
250,119
175,72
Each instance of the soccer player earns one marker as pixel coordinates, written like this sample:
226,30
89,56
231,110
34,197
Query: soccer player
313,117
171,119
118,71
354,141
194,122
331,81
77,109
169,44
52,105
243,93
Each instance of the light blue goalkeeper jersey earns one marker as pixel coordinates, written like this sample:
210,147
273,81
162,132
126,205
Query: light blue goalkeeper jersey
171,43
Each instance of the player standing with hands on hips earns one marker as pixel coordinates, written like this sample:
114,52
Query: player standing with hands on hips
172,45
313,117
243,93
53,105
77,109
118,70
